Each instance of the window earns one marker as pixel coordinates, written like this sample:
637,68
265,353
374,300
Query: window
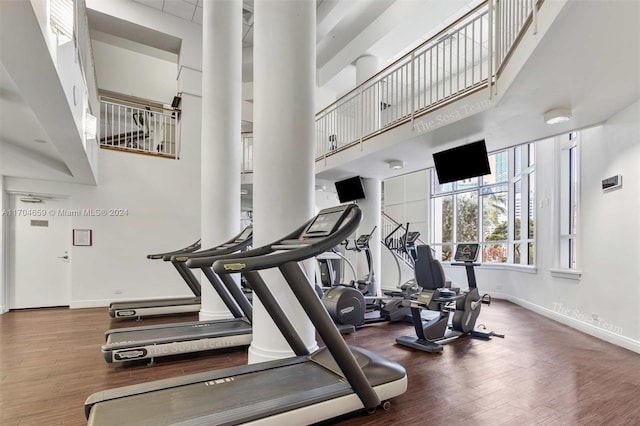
62,16
497,211
524,205
569,202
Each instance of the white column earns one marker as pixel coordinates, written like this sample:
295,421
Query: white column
221,120
366,66
284,133
371,215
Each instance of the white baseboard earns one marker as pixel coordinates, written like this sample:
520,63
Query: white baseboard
600,333
99,303
78,304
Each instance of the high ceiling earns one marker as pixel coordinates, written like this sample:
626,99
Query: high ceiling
346,29
568,67
191,10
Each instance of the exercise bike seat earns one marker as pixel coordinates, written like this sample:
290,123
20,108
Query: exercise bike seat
446,293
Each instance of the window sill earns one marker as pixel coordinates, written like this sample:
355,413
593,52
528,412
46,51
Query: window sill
529,269
568,274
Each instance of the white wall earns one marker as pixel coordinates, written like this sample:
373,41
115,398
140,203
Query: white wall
162,201
406,199
3,205
136,74
609,240
325,199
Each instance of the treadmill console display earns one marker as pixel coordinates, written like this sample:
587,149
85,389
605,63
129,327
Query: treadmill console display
466,253
324,224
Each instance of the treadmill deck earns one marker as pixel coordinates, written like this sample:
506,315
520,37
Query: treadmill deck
236,395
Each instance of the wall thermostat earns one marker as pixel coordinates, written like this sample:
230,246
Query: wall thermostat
611,183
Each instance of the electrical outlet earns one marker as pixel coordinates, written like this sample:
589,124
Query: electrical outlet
117,291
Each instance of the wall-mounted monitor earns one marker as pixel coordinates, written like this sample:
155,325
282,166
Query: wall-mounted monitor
462,162
350,189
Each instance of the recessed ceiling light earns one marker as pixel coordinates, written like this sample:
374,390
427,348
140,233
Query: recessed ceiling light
40,141
558,115
395,164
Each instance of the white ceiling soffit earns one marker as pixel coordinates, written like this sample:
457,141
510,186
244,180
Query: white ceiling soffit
133,46
19,125
108,24
39,136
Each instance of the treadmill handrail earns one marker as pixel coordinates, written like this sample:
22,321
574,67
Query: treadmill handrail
190,248
203,262
272,255
219,250
287,262
232,242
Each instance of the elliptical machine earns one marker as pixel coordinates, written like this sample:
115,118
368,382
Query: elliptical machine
367,284
465,306
350,304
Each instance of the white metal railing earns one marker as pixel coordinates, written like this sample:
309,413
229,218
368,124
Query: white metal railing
247,153
139,128
462,58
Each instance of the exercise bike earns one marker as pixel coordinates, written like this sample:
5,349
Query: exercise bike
462,308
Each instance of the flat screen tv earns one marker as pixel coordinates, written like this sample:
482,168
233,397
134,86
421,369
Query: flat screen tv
350,189
462,162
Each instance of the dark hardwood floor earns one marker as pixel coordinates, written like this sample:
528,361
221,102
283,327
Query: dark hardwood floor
542,373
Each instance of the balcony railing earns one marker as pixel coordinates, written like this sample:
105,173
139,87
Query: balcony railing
465,57
461,59
145,129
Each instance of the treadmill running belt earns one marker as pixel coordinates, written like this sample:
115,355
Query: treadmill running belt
155,303
238,398
175,334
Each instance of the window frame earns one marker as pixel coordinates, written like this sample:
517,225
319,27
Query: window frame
569,204
527,171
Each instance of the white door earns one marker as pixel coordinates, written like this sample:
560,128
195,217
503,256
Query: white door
39,253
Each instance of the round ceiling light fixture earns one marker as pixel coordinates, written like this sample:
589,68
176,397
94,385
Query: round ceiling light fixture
558,115
395,164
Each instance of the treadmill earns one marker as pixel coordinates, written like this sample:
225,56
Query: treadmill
154,341
303,389
167,306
